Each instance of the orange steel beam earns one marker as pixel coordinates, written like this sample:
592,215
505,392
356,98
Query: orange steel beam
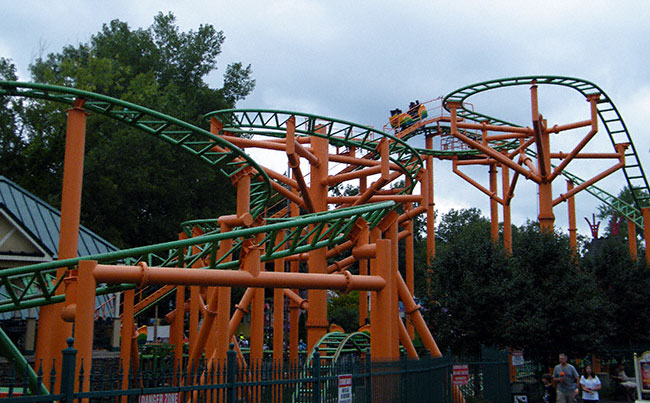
149,299
523,145
247,143
426,188
506,136
492,128
382,310
405,339
54,325
126,334
573,239
409,214
494,206
607,172
281,178
317,322
586,155
486,149
413,311
385,174
295,298
631,239
287,194
409,257
341,264
484,161
241,309
85,321
361,242
353,161
571,126
375,198
294,312
593,101
492,195
278,309
294,163
507,225
336,179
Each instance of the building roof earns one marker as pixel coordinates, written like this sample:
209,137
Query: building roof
40,222
43,221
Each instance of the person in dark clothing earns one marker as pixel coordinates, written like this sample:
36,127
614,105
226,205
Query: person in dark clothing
550,395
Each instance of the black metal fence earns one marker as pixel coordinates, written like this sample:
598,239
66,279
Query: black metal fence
357,379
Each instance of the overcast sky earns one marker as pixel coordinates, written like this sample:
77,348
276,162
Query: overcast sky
358,60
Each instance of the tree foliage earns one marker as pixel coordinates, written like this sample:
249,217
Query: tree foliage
136,188
542,298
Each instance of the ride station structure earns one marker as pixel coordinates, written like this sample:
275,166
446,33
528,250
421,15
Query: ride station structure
289,232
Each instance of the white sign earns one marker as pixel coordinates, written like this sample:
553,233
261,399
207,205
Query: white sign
460,374
345,388
517,358
160,398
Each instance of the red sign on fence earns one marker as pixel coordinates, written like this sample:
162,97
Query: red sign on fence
160,398
460,375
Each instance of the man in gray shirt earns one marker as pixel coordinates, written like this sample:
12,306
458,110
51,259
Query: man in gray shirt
567,378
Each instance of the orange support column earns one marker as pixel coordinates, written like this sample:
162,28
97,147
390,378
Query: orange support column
278,311
543,142
278,324
380,314
631,239
646,231
409,257
317,261
176,336
494,205
394,258
573,238
507,224
85,321
128,328
428,193
52,329
294,309
363,263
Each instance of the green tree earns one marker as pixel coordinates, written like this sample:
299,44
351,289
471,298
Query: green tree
625,290
552,304
468,278
12,143
137,189
343,310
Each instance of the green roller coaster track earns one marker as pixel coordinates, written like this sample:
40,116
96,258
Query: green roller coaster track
331,348
609,116
36,285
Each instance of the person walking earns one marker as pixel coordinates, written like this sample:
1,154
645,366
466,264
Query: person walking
590,385
567,378
550,394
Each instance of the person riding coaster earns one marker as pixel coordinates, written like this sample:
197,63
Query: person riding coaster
402,120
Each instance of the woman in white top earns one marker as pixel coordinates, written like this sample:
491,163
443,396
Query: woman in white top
590,384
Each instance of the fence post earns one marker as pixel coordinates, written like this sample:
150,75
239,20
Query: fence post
315,371
231,362
368,377
405,379
68,371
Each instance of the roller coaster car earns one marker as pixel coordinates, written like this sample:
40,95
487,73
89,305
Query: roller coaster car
402,120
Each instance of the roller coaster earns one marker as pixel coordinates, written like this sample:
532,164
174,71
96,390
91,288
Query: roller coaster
290,233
